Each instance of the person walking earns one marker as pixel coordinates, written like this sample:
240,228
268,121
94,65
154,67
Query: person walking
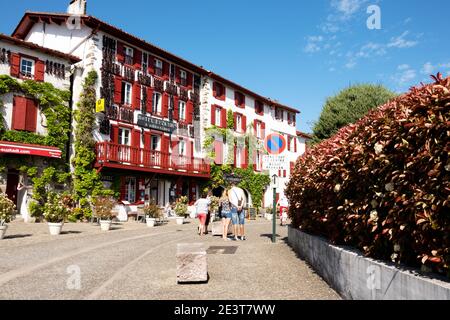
283,204
202,208
238,202
225,212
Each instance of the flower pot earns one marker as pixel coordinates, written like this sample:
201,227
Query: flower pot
180,220
55,228
105,225
3,231
150,222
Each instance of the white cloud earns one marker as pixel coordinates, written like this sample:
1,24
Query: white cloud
347,7
400,42
314,44
404,76
429,68
351,64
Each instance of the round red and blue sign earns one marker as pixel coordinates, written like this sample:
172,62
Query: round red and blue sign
275,144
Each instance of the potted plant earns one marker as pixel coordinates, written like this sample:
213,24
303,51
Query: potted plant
7,210
152,212
269,213
103,208
55,212
181,209
214,207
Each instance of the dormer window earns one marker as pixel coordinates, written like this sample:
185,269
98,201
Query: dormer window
158,67
219,91
259,107
129,53
183,78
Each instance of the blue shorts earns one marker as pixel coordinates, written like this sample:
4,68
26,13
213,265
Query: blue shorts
226,214
237,218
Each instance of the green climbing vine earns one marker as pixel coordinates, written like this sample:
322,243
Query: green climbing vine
86,179
54,105
255,183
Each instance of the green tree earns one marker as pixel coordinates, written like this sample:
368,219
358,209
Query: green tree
347,107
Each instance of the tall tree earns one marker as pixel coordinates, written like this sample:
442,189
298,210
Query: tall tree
347,107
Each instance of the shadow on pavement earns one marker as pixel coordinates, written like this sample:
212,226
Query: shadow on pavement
17,236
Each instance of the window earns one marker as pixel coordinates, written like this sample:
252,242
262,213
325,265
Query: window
154,143
238,123
258,130
239,99
145,62
183,77
259,107
219,91
182,110
128,55
219,117
156,103
172,72
182,148
124,136
126,93
27,67
278,114
238,157
258,161
158,67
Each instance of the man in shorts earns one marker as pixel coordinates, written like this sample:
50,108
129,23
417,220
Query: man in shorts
238,202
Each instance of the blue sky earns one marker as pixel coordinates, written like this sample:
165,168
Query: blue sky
298,52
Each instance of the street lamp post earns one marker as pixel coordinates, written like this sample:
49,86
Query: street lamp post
274,216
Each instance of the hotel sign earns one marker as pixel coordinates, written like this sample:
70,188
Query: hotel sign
156,124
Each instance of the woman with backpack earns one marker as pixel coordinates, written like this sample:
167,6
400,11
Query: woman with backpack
225,212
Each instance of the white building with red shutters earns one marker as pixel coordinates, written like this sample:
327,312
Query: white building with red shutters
22,61
158,105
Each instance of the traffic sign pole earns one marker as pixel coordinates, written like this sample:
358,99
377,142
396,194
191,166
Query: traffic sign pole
274,217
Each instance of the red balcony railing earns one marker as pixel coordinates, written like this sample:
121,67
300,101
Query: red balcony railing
108,152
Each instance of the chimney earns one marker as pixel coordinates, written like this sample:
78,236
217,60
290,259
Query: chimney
77,7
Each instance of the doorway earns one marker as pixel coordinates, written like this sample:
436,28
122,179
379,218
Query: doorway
11,185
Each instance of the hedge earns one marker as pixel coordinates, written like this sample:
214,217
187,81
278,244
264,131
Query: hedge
382,184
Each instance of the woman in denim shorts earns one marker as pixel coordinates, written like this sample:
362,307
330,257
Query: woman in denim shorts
226,214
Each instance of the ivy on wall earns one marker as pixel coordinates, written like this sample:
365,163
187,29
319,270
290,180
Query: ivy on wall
54,105
255,183
86,179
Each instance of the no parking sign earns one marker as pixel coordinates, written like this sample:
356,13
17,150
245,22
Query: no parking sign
275,145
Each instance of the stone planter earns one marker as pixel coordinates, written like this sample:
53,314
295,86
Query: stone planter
55,228
180,220
269,216
105,225
3,231
150,222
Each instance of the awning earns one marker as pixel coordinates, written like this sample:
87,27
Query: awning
29,149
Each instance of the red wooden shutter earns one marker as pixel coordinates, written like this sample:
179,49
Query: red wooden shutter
165,105
223,119
136,146
31,115
244,124
149,99
176,108
295,144
114,134
19,113
147,140
213,115
39,71
263,130
244,157
215,89
177,75
15,65
254,127
190,149
288,140
117,90
235,120
166,68
136,96
174,159
218,150
151,64
292,167
137,59
190,112
189,80
284,173
120,52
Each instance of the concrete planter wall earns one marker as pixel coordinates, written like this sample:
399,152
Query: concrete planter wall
356,277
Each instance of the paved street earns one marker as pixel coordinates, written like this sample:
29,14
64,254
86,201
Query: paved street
135,262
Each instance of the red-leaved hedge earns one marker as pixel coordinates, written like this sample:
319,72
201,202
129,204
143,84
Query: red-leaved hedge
382,184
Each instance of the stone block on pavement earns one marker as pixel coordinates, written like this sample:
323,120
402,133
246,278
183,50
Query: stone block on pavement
217,228
192,265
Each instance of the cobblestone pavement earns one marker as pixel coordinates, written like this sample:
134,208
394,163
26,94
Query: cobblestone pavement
136,262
